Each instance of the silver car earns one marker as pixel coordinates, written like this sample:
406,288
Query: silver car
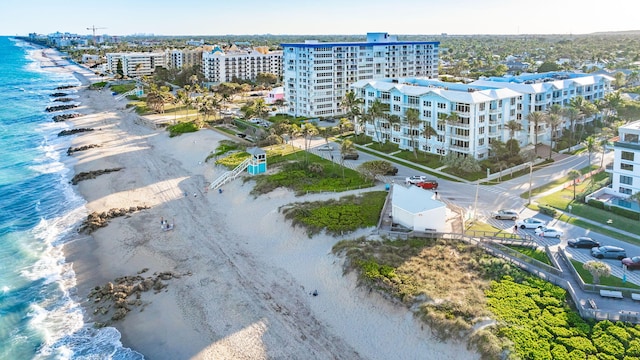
609,252
504,215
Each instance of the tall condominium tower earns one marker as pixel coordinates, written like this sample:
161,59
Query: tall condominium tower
317,75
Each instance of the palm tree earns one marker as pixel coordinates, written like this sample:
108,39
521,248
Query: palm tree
352,106
597,269
392,120
412,116
553,120
376,111
574,175
536,118
572,114
428,131
605,134
260,108
346,147
513,126
591,144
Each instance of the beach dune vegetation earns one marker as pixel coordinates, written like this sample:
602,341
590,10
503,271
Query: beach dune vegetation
336,217
455,288
182,128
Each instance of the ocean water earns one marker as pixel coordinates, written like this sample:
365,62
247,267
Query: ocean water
40,317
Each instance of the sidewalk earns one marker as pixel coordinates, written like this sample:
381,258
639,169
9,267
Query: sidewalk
407,163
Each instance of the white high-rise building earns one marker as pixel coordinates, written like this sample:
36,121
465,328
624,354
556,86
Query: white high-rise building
136,64
317,75
219,66
625,178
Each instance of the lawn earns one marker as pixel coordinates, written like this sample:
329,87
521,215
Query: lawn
605,281
555,183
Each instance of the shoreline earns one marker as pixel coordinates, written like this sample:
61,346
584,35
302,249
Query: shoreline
249,295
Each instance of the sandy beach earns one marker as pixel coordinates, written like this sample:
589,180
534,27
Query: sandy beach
251,275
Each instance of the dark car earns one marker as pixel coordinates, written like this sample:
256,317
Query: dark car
583,242
351,156
610,252
429,184
631,263
392,171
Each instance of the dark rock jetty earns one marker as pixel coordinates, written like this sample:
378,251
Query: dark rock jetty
71,150
58,94
63,117
73,131
60,107
97,220
86,175
63,87
63,99
116,299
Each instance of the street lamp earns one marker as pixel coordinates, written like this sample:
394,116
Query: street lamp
530,179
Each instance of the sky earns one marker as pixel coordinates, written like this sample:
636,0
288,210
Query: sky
320,17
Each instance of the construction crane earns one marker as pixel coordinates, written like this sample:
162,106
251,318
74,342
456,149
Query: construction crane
94,28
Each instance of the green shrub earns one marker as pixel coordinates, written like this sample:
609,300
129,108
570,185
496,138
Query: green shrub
596,203
547,210
630,214
178,129
98,85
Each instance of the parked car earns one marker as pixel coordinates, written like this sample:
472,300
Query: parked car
326,147
415,179
583,242
428,184
609,252
549,232
530,223
631,263
350,156
393,171
504,215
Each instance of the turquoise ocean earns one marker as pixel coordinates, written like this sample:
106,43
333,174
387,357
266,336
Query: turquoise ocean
40,315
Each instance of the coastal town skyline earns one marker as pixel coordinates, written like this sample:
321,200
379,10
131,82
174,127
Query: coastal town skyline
287,17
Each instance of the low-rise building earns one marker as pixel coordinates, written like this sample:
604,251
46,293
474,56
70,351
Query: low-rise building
467,118
219,66
136,63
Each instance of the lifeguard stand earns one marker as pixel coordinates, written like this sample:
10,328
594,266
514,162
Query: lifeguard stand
258,161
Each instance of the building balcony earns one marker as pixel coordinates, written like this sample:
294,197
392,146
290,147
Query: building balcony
459,148
460,125
627,145
460,137
494,134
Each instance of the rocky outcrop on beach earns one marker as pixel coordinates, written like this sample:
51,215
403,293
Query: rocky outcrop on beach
87,175
58,94
63,87
63,117
63,99
73,131
96,220
114,300
71,150
60,107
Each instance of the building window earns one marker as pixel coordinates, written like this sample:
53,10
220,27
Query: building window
426,113
481,130
396,98
480,141
626,155
624,190
442,105
627,180
481,107
413,100
426,103
628,167
396,108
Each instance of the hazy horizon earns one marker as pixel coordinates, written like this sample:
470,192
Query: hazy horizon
306,17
